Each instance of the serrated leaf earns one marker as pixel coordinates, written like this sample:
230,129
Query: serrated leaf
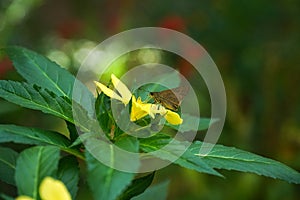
105,182
8,159
222,157
34,97
39,70
34,136
193,123
33,165
25,135
68,173
175,151
159,192
137,186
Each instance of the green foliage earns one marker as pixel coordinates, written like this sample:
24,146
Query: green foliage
25,135
174,150
230,158
6,197
37,69
105,182
37,98
137,186
193,123
68,173
49,89
32,166
159,191
103,112
8,159
222,157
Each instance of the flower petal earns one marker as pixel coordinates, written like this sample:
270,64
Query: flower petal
122,89
173,117
139,109
108,91
51,189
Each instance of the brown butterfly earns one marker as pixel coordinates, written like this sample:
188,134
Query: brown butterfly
172,98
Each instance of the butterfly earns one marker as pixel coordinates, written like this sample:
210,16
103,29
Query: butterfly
171,98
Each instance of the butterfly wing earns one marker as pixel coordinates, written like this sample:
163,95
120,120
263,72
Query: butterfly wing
170,99
180,92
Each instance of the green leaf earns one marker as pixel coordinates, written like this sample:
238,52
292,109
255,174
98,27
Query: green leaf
103,110
156,146
33,165
77,142
137,187
68,173
222,157
193,123
164,81
8,159
34,97
105,118
5,197
205,123
72,131
105,182
39,70
159,192
25,135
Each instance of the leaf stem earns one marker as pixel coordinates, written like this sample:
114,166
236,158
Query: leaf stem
74,152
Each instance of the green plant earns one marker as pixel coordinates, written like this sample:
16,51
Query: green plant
48,88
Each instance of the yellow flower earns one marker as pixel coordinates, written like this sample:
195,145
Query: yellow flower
170,116
24,198
173,117
125,94
51,189
139,109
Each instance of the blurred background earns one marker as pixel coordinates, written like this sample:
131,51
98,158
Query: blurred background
255,45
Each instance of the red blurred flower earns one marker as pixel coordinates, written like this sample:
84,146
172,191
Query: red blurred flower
5,66
173,22
70,28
